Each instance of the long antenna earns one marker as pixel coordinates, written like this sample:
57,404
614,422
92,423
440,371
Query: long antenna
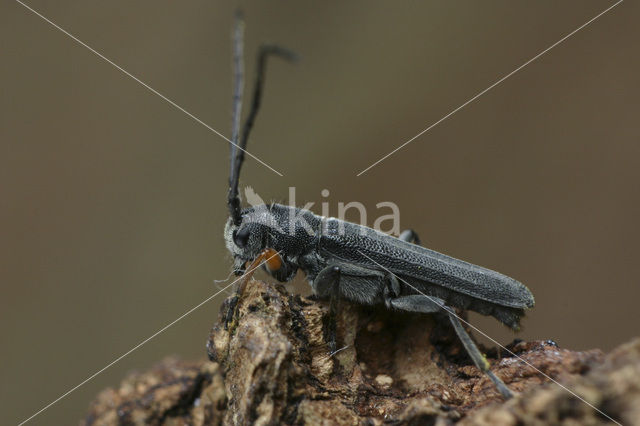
238,90
237,152
265,51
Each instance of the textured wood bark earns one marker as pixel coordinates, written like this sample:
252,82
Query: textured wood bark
271,365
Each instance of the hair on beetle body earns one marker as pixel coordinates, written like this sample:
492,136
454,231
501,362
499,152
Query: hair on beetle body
344,260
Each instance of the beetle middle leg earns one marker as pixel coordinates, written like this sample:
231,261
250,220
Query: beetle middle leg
342,280
327,284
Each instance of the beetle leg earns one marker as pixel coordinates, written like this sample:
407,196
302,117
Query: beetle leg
476,356
265,256
231,310
327,284
391,291
423,304
410,236
417,303
411,303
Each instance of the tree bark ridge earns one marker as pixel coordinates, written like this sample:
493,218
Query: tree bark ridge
271,365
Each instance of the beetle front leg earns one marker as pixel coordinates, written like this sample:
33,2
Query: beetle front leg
327,285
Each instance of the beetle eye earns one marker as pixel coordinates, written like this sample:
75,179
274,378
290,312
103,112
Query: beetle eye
241,237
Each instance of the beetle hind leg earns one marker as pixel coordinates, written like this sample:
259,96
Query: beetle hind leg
430,304
476,356
416,303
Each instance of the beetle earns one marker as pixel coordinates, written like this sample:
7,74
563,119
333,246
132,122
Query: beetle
344,260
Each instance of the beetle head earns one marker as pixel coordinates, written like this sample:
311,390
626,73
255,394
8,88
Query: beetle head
245,241
271,226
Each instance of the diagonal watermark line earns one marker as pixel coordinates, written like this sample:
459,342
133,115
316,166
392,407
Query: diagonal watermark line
145,85
163,329
452,312
490,87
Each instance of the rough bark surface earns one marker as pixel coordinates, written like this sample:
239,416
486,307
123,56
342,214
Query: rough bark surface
271,365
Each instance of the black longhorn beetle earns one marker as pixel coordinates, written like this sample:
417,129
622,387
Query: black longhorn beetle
343,260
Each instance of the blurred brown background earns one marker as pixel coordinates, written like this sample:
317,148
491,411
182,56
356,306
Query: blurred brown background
113,201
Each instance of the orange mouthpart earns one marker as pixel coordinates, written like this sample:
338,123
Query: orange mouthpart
272,259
